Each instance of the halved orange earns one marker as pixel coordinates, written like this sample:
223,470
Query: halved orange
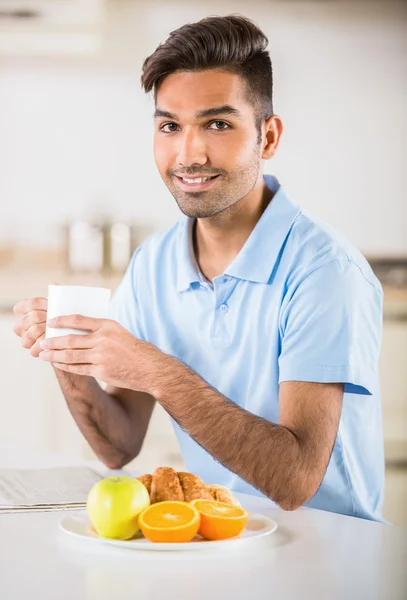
169,521
220,521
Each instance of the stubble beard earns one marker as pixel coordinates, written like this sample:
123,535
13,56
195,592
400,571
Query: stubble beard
230,190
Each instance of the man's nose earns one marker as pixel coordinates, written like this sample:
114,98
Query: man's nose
192,149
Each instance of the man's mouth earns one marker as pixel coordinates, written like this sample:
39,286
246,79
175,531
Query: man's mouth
197,179
195,183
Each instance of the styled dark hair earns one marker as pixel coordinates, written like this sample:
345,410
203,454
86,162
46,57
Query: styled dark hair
232,43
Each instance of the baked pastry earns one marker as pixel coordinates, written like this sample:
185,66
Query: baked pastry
193,487
146,481
222,494
166,484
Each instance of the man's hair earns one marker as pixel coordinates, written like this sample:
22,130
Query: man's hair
232,43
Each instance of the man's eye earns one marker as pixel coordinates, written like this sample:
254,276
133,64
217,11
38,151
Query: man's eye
169,127
219,125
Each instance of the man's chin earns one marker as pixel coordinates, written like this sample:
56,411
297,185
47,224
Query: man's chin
197,205
196,214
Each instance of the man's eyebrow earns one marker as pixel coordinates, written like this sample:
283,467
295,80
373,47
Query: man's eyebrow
165,114
216,111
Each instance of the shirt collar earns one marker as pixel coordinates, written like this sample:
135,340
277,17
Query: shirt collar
256,260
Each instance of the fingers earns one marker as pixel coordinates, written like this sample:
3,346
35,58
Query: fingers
36,348
17,328
30,312
29,304
66,357
33,333
77,369
32,318
76,322
69,341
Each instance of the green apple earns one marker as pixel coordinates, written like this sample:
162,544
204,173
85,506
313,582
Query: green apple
114,504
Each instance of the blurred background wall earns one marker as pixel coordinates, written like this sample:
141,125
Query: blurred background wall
76,147
76,131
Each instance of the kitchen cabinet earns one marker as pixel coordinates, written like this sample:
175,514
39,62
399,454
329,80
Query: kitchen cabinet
26,413
393,379
395,496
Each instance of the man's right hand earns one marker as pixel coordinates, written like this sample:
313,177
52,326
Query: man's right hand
31,318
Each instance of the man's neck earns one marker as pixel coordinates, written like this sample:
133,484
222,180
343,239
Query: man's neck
218,240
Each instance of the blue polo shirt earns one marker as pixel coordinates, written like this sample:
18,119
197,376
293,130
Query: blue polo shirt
298,303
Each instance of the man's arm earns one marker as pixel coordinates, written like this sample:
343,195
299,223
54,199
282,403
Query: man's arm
114,421
287,461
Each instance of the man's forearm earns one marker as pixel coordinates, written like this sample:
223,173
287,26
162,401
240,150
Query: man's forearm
268,456
101,418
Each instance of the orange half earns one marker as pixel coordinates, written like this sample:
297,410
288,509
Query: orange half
220,521
169,521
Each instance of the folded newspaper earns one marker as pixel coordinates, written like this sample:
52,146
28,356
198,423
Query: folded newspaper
63,488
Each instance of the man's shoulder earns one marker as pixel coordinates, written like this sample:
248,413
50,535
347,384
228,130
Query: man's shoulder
313,244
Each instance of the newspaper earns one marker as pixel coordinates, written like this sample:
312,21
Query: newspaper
62,488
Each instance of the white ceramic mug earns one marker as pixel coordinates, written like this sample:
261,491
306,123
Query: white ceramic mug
76,300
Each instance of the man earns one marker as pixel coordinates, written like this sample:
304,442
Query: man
257,329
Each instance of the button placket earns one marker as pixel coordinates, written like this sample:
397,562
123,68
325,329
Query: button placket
223,288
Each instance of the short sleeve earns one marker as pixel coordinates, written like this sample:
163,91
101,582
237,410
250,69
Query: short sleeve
123,305
331,329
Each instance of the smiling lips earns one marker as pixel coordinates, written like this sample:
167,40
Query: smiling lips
197,182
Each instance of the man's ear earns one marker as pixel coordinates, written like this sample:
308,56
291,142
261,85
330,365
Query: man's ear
273,128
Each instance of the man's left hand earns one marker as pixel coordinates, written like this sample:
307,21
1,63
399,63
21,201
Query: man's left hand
108,352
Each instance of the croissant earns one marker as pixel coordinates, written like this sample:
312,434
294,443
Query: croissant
166,484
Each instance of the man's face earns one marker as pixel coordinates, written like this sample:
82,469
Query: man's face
206,128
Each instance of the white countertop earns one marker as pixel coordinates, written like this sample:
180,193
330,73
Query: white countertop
312,555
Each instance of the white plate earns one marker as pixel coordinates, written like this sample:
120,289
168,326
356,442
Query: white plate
80,526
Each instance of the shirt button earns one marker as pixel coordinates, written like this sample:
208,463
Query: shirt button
227,278
224,308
